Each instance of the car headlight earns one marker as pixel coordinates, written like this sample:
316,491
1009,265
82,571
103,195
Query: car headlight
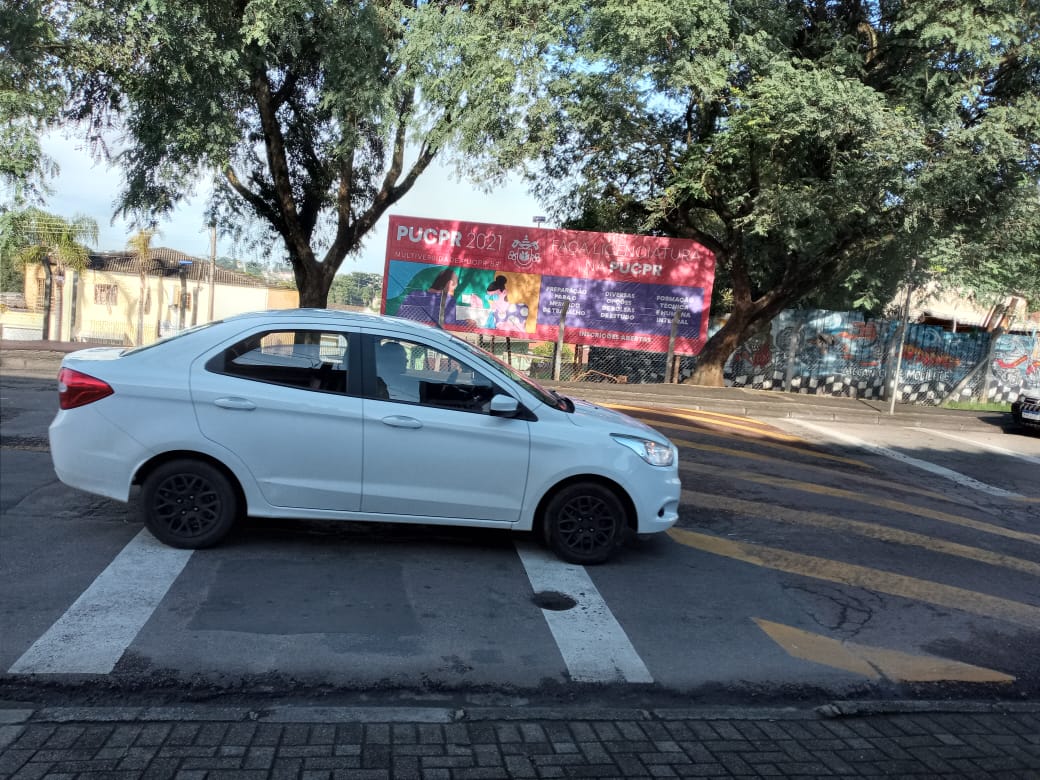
653,452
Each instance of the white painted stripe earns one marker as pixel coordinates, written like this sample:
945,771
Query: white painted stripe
942,471
591,641
981,445
98,628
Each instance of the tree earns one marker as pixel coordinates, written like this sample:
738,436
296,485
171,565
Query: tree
31,95
817,148
316,116
356,289
36,236
140,244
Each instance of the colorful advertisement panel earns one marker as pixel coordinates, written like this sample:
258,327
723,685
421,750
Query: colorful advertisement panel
619,290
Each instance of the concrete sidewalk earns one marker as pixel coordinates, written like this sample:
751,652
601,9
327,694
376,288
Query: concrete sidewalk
41,359
951,741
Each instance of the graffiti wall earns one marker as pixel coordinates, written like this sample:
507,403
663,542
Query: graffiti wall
840,353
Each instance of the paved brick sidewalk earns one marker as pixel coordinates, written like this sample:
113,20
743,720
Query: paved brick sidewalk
210,742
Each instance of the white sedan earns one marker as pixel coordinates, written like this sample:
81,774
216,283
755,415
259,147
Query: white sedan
321,414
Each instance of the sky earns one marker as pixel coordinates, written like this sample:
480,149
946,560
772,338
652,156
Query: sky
86,188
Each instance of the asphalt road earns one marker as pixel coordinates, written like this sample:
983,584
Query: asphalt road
825,550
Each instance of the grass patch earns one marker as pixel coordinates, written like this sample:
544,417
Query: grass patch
978,406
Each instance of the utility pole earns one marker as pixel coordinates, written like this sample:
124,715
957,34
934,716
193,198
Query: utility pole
212,266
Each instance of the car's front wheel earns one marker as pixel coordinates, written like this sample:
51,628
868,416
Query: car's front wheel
189,504
584,522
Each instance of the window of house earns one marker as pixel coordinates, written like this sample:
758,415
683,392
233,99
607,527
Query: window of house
309,360
106,294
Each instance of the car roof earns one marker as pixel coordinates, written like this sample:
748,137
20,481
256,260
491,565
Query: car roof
334,316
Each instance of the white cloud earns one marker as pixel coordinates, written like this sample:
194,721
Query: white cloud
89,188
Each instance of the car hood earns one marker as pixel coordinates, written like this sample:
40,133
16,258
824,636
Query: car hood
589,415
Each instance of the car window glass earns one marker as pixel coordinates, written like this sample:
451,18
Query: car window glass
309,360
416,373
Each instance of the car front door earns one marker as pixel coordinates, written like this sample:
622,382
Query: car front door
432,448
281,401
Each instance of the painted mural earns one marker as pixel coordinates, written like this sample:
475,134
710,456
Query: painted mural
840,353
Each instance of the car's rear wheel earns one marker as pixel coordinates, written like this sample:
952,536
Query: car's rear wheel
584,522
189,504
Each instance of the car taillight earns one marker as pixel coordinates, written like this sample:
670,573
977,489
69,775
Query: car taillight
77,389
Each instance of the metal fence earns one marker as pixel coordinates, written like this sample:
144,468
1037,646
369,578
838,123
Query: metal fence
820,353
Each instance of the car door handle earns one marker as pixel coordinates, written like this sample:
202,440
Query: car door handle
400,421
244,404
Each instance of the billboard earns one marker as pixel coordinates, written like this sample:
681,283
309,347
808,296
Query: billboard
618,290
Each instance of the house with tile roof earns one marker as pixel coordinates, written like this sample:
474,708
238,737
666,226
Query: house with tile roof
124,300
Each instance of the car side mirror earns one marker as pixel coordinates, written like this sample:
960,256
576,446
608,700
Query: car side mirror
504,406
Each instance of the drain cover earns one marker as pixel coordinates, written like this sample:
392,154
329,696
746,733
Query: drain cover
553,600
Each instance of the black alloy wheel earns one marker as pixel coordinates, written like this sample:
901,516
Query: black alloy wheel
584,522
189,504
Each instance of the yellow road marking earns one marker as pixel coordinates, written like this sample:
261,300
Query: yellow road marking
948,596
863,479
875,662
738,423
804,451
869,530
898,506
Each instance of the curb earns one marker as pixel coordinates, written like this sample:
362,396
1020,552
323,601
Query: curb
443,715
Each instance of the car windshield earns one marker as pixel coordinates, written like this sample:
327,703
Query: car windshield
546,396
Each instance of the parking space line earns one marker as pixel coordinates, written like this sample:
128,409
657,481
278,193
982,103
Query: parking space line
942,471
979,444
96,630
594,646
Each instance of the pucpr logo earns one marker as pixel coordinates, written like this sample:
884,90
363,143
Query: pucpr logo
428,235
525,252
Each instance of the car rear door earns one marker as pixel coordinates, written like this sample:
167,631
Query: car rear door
281,400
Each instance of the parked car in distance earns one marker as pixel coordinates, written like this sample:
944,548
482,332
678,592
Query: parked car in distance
1026,409
309,413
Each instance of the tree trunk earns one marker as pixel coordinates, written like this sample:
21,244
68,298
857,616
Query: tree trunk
712,359
313,282
46,334
747,317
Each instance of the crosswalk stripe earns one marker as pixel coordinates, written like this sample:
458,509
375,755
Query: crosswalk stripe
96,630
593,644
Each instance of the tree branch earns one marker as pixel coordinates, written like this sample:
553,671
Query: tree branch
274,144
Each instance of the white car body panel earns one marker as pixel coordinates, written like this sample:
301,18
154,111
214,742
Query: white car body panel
381,460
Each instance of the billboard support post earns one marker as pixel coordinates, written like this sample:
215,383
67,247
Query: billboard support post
669,361
558,358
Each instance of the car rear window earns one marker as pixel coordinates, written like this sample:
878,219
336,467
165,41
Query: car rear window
305,359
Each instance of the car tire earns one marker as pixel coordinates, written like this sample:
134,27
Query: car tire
189,504
584,522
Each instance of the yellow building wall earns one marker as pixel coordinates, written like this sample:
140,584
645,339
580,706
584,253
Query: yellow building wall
88,309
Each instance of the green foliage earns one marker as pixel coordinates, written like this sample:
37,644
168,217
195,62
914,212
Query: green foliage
821,150
356,289
315,117
32,235
31,95
547,349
